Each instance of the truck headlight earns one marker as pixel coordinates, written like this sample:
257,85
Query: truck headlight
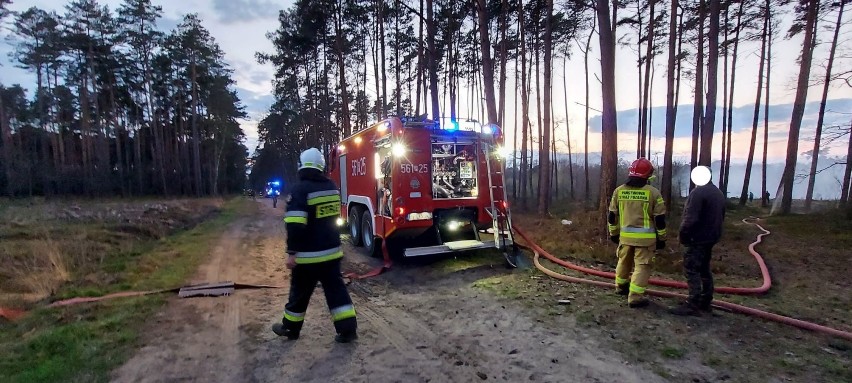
504,152
398,149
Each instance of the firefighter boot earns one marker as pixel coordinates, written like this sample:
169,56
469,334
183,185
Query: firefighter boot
706,308
623,269
346,338
622,289
686,309
641,271
638,303
280,330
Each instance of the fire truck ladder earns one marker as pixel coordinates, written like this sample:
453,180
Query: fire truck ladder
501,219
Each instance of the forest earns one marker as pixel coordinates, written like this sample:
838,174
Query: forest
437,57
119,107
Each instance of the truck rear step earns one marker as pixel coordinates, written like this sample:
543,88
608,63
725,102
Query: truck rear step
449,247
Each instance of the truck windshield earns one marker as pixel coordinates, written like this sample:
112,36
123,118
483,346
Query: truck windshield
454,170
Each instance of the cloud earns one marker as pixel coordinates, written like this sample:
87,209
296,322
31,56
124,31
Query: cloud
256,103
167,24
234,11
741,118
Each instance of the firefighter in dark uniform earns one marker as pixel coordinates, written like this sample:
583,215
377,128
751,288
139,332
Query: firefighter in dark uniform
314,252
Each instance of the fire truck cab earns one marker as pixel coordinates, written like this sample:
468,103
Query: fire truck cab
428,187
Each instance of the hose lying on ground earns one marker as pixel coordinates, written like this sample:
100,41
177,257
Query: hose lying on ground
764,271
538,251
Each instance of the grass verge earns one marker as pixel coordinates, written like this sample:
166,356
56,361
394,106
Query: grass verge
808,259
84,343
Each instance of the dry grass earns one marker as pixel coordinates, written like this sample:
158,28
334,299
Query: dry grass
808,257
49,249
42,269
83,343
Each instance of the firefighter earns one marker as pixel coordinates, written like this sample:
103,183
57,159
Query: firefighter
314,252
637,224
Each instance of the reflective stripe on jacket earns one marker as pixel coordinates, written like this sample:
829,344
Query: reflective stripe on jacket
636,209
312,212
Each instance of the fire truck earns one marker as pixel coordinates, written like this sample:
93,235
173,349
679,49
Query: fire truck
428,187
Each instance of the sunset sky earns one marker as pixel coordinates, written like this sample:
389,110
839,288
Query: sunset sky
239,26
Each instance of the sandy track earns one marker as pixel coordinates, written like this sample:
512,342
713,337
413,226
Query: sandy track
416,324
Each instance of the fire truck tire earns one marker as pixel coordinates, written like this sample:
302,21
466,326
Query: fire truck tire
368,238
355,226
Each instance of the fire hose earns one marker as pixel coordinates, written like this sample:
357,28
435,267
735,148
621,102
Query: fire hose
538,252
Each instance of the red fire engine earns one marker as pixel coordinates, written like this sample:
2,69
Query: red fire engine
427,187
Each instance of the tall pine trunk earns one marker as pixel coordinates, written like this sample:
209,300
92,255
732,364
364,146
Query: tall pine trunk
847,173
432,61
788,177
6,141
698,107
649,53
724,104
730,128
544,157
196,138
525,106
586,129
756,117
763,201
671,110
420,61
708,125
504,46
609,121
821,118
345,116
568,127
487,65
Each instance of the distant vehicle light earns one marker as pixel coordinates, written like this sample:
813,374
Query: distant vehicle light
340,221
358,140
453,225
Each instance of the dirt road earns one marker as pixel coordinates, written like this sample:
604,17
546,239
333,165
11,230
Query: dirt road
417,323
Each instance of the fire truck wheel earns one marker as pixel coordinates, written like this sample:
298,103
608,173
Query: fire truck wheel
368,238
355,226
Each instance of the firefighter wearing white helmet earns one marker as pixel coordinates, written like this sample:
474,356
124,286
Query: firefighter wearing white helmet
314,252
637,224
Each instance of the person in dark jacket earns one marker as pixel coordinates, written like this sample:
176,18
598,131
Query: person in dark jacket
314,252
700,229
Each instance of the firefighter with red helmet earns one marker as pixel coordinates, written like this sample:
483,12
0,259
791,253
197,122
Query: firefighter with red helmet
637,224
314,252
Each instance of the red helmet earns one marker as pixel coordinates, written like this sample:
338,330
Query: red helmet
641,168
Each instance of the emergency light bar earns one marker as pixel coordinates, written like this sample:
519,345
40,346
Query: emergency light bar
451,125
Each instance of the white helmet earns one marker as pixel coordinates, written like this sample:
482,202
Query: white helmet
312,158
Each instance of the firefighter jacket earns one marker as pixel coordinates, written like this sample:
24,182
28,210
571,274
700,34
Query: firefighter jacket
312,212
703,216
637,215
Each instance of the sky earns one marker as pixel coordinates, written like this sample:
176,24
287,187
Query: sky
240,27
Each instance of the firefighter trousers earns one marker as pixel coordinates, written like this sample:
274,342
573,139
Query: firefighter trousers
304,280
635,259
696,266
